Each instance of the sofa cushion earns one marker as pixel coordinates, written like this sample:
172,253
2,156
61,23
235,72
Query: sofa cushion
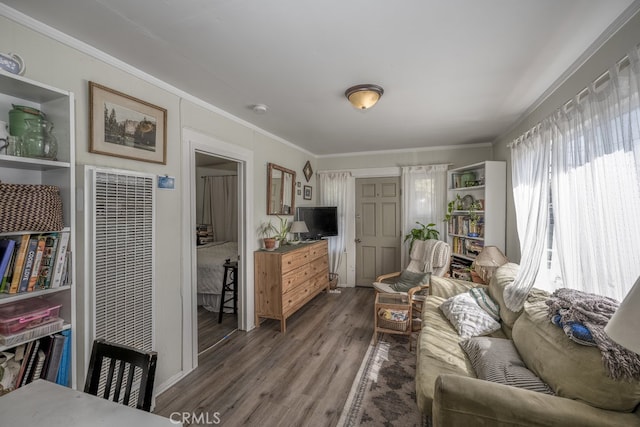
502,278
481,295
573,371
497,360
469,319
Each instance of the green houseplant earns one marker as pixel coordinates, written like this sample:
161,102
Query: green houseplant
424,232
268,231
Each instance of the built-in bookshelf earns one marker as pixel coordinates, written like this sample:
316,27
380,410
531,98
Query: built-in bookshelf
52,300
477,195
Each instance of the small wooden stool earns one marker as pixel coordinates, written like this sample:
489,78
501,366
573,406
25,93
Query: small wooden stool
229,284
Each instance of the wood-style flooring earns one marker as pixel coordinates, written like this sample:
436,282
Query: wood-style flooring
210,331
266,378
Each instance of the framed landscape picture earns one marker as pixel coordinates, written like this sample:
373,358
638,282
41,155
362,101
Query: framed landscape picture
124,126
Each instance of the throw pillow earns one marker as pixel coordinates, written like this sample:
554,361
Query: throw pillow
497,360
486,302
467,317
409,279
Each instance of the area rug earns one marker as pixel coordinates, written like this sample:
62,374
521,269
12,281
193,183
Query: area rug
383,392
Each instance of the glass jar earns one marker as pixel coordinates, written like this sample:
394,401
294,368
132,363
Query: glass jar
38,140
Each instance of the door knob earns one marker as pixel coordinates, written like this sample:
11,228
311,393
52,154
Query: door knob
358,241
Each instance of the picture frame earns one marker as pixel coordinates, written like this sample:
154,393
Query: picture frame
307,192
308,171
299,192
127,127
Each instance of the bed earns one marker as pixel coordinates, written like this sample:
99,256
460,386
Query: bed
211,258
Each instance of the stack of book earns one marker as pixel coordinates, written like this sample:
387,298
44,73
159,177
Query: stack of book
47,358
31,262
204,233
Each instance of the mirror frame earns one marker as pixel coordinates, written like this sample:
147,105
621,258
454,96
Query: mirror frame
270,168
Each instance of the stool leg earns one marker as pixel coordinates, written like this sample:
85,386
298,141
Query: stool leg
222,295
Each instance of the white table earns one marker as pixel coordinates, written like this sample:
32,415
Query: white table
43,403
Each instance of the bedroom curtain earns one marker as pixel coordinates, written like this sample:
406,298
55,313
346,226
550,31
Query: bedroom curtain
337,189
220,206
594,168
424,200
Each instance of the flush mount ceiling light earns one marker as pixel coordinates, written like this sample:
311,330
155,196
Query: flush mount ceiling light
364,96
259,108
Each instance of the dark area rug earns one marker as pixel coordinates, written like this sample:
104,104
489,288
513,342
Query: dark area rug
383,392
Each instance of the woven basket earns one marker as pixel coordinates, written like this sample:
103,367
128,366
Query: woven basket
30,208
392,324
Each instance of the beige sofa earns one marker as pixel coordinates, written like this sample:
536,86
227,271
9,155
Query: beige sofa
448,390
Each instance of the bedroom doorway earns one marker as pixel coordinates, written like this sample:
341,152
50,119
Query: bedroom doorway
194,142
217,221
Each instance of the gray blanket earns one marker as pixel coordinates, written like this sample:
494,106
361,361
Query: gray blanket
594,312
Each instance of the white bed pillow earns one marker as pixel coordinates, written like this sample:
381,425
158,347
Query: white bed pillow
469,319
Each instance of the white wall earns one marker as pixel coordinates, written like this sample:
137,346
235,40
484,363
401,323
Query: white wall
611,52
59,65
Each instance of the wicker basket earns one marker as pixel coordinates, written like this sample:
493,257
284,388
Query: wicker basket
30,208
392,324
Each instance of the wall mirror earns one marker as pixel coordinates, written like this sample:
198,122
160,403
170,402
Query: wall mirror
280,190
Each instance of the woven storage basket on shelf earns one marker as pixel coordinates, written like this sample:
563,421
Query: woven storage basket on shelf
25,207
392,324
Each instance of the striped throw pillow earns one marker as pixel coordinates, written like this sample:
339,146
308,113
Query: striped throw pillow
497,360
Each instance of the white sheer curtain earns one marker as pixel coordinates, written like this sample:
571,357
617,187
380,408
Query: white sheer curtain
424,200
220,206
336,189
530,177
596,186
594,145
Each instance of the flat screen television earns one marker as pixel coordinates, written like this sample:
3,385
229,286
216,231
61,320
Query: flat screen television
322,221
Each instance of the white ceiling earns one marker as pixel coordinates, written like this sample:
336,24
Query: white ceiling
453,71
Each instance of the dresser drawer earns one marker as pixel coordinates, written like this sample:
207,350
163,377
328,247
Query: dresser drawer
318,250
295,277
294,259
293,300
319,265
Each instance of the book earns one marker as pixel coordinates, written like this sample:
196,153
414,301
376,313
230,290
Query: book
24,353
6,252
63,371
55,356
48,261
6,279
29,259
60,263
38,365
21,252
35,270
30,365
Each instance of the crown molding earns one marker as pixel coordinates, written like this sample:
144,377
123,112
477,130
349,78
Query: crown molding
408,150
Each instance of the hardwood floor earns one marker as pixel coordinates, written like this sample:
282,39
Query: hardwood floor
266,378
210,331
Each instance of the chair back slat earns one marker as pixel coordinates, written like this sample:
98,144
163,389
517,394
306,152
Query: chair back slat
128,358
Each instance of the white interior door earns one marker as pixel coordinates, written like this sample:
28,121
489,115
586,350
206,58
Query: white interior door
377,228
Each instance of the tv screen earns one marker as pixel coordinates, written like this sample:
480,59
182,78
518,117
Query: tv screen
322,221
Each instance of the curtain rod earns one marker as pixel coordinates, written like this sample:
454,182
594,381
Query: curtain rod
216,176
579,97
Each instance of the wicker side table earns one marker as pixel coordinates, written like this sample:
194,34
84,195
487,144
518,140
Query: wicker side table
395,302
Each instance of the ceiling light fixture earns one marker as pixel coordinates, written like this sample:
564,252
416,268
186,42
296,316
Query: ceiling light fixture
259,108
364,96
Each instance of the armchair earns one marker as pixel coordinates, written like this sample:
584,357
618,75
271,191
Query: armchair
427,258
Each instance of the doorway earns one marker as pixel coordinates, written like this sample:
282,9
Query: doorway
377,228
217,221
196,142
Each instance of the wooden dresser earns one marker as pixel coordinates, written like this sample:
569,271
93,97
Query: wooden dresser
289,277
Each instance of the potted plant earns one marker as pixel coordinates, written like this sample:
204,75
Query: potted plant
268,231
453,205
282,231
473,219
424,232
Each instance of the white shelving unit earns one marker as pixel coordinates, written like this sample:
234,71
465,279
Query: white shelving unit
58,105
488,186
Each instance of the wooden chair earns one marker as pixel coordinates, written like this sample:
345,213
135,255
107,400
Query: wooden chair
130,358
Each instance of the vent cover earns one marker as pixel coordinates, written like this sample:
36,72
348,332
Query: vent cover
123,248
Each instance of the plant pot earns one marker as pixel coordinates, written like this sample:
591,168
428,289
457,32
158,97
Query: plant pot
269,243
